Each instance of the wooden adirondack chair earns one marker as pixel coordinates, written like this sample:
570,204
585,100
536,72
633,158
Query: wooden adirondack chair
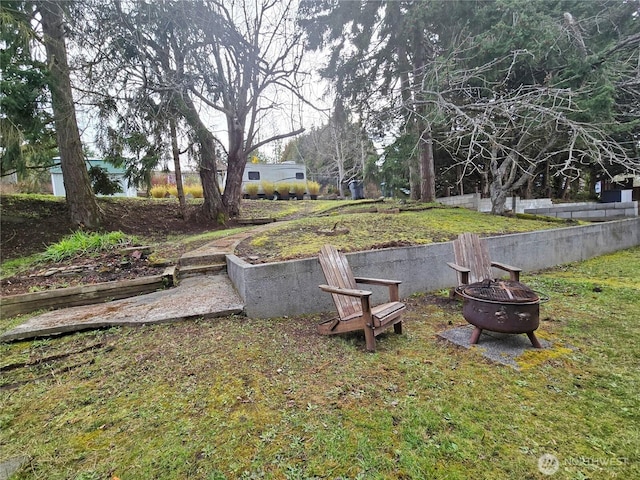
472,261
354,308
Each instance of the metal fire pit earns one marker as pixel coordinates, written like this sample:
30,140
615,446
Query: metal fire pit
501,306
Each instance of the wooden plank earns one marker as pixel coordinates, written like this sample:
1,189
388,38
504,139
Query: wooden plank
471,251
338,274
387,309
76,296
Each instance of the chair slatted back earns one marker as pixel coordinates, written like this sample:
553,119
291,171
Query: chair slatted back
338,274
472,252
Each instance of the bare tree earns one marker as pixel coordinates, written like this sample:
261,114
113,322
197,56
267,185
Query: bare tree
511,134
336,150
221,66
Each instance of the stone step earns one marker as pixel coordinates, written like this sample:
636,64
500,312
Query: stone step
207,269
208,258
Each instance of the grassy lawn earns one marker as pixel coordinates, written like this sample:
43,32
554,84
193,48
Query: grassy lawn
302,227
245,398
356,226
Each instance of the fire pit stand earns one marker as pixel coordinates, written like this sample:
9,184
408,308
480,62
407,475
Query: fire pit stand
501,306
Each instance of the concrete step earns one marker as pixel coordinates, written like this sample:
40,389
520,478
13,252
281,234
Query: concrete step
206,269
208,258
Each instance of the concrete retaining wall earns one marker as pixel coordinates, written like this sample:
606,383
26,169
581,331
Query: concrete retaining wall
473,201
291,288
589,210
469,201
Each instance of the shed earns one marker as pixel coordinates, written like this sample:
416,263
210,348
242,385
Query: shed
622,188
115,173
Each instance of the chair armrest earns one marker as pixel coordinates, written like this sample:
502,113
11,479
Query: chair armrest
377,281
505,267
463,271
392,285
459,268
350,292
514,272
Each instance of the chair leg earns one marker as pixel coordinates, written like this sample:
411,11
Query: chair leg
370,338
397,328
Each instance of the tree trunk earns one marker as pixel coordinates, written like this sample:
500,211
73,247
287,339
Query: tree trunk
213,207
498,198
484,182
459,180
497,189
528,192
236,162
565,189
414,178
81,200
547,179
427,169
176,165
339,159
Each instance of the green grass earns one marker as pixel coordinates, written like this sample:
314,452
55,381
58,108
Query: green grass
282,209
81,243
364,231
17,265
245,398
78,243
190,240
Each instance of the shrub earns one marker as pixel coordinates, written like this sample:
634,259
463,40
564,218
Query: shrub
158,191
268,187
251,189
299,188
195,190
283,189
313,188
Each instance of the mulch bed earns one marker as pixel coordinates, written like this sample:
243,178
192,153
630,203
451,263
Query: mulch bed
105,267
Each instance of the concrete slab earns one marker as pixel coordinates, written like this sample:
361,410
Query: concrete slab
12,465
498,347
196,297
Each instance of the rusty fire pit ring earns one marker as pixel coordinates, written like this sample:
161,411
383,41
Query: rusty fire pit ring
501,306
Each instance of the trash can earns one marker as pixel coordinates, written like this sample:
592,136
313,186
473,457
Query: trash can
357,190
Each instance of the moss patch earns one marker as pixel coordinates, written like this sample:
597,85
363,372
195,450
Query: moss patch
365,231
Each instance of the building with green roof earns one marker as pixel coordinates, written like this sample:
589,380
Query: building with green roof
115,173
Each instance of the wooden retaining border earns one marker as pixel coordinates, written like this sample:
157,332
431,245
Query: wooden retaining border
12,305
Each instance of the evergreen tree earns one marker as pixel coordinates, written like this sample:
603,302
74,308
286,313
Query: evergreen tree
27,137
25,124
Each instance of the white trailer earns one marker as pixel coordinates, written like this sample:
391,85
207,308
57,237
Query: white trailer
284,173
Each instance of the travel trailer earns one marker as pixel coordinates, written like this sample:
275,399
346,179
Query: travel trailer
280,174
